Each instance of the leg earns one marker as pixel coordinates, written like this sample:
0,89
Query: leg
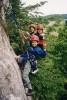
26,72
34,66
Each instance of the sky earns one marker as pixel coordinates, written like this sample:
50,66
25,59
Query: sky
52,7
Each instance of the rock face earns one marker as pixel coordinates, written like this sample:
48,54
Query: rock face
11,87
4,4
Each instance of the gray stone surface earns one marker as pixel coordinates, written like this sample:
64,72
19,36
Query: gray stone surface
11,87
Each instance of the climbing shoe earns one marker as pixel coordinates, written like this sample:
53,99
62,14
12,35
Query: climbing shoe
30,92
35,71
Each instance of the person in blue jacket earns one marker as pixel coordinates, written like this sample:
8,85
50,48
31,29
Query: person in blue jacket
32,59
32,52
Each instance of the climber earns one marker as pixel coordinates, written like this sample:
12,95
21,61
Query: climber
32,31
27,35
34,50
31,55
22,59
32,28
41,36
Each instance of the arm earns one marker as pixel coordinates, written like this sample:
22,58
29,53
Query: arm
22,35
17,57
24,57
39,51
27,37
41,36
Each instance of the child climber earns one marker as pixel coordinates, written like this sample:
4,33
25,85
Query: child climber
27,35
32,31
32,53
28,56
42,43
32,28
34,50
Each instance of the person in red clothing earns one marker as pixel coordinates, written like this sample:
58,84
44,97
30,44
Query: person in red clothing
41,35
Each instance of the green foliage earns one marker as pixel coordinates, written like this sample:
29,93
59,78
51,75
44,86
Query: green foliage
49,81
61,46
50,29
66,23
32,7
55,17
39,20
